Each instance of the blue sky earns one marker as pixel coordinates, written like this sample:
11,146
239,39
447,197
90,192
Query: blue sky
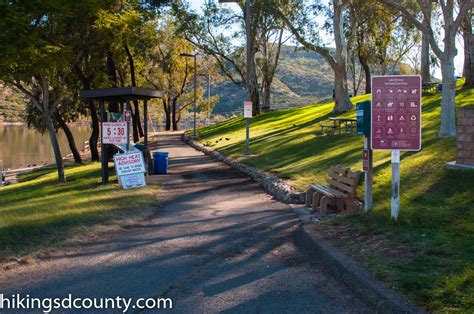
459,61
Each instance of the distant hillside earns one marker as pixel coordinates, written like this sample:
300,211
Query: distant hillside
301,78
11,105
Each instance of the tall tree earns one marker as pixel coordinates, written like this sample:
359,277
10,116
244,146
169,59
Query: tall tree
446,54
468,38
298,19
37,54
206,32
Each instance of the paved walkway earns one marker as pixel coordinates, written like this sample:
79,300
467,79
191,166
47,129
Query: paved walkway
217,243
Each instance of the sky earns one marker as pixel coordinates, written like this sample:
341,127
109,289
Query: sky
459,60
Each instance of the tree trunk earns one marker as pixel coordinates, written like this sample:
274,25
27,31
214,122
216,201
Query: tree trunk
368,76
425,59
94,138
112,74
56,149
70,139
252,83
448,122
425,47
135,136
174,117
167,112
468,36
136,116
343,102
266,93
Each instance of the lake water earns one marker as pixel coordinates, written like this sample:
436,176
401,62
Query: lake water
20,146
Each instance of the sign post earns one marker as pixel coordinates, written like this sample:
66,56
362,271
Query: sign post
396,122
247,116
363,128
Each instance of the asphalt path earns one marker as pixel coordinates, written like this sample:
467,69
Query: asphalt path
216,243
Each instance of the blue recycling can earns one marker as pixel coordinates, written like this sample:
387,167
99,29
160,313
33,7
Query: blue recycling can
160,162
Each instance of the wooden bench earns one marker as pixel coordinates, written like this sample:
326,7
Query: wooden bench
340,191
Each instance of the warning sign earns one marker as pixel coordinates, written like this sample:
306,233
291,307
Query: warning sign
114,133
129,163
247,109
396,112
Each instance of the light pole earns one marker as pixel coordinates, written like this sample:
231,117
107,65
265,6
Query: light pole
188,55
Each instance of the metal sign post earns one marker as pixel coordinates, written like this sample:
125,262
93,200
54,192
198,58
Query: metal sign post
363,128
368,175
395,201
396,122
247,116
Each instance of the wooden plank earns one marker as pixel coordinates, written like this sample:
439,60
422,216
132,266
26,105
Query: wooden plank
350,181
342,186
328,191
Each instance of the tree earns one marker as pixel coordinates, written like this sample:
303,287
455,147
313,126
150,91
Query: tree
255,22
298,20
171,73
451,25
36,55
270,39
468,38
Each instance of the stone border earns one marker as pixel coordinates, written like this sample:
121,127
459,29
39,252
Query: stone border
352,275
275,186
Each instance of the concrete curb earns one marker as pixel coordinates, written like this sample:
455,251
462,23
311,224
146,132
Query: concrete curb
278,188
351,274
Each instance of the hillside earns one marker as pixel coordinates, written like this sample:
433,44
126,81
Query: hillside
11,105
301,78
428,254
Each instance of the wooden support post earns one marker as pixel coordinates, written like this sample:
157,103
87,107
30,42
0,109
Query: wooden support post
103,147
128,127
145,123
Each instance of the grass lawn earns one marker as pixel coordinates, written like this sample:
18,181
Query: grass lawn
429,253
38,212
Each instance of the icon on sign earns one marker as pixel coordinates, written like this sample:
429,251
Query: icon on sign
378,104
379,91
413,130
390,131
402,118
390,104
390,91
405,91
413,104
401,104
414,91
390,117
379,118
399,91
402,130
383,142
413,117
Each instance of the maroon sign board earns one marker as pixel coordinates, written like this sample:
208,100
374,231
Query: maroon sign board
396,112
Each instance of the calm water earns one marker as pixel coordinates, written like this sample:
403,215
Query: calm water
20,146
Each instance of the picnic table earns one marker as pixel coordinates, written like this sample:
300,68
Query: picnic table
431,87
341,125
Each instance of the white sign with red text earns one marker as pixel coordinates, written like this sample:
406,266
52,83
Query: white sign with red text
114,132
129,163
247,109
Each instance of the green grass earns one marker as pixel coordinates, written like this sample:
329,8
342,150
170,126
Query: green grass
38,212
434,237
